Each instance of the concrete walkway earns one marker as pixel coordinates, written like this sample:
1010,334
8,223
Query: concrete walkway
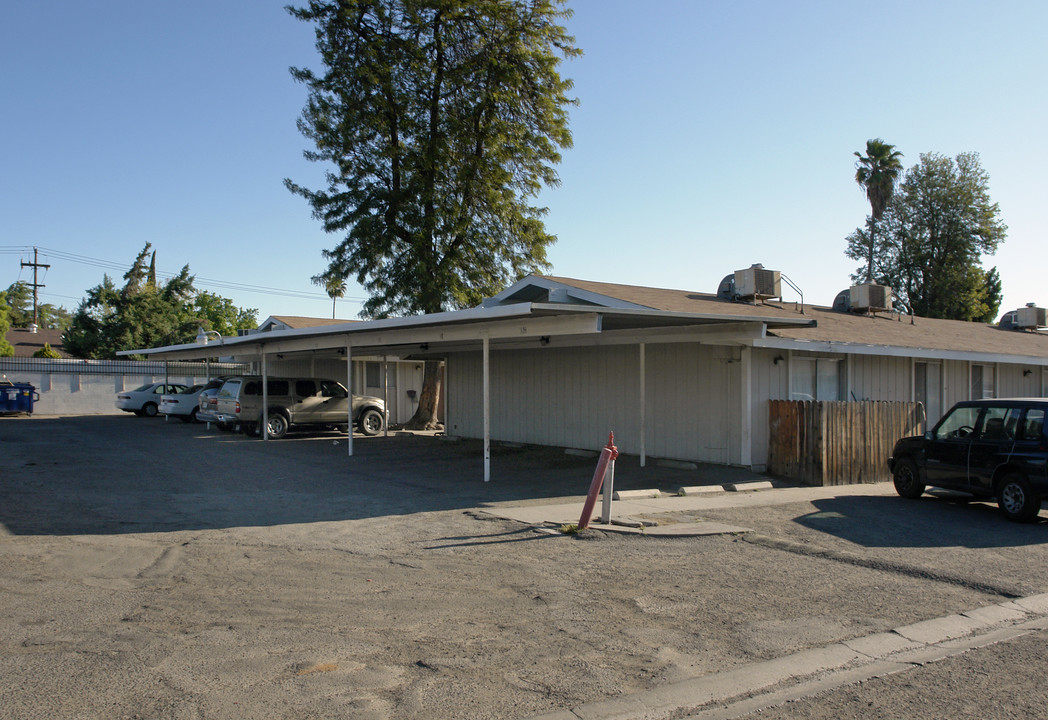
640,512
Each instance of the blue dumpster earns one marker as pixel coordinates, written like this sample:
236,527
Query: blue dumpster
17,398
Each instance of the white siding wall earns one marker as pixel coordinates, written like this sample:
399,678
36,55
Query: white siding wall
956,376
770,382
1013,383
879,377
574,397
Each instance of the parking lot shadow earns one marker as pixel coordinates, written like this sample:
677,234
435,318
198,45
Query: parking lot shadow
937,520
123,474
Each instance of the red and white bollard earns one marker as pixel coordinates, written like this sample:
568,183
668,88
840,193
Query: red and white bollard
607,457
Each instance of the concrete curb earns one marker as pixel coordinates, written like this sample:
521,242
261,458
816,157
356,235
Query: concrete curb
820,669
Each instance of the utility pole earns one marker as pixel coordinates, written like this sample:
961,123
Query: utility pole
36,266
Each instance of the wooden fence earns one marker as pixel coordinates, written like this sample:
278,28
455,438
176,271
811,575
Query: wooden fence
838,443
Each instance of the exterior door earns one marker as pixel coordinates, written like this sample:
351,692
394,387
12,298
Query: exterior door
991,444
946,463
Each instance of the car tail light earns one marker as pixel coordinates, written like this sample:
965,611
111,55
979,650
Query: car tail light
237,409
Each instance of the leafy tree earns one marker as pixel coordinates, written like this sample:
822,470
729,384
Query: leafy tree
47,352
6,348
441,121
220,314
876,173
146,313
940,223
20,304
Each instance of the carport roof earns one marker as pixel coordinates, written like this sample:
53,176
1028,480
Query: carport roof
518,324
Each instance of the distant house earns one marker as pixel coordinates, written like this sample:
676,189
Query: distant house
296,322
26,342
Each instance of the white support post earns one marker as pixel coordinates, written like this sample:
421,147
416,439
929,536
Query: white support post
265,396
349,386
643,410
487,410
385,395
746,431
444,394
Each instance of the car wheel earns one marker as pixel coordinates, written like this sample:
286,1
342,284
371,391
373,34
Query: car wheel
193,415
149,410
139,413
1017,499
371,422
278,426
908,480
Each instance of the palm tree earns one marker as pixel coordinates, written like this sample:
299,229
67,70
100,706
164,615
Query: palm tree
333,285
876,173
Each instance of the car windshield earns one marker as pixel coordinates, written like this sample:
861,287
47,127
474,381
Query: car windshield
143,388
191,390
959,423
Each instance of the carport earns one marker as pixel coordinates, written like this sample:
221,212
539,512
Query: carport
524,325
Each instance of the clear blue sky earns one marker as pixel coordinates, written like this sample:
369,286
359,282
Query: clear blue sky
709,136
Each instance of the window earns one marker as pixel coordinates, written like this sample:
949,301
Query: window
305,388
230,388
958,424
374,377
331,389
1033,425
815,378
999,423
982,382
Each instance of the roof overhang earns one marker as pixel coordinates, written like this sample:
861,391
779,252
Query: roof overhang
506,327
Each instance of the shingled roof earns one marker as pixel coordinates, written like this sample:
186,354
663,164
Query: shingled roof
888,330
26,343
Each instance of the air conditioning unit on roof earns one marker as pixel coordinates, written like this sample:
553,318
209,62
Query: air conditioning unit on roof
758,283
1031,316
870,298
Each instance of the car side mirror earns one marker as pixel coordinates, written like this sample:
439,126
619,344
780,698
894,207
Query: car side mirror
928,435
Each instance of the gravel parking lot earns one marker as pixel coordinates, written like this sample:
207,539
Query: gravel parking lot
159,570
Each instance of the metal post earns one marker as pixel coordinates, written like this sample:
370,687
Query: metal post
349,386
487,412
609,491
265,396
746,434
643,411
385,394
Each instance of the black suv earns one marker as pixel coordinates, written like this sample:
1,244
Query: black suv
989,448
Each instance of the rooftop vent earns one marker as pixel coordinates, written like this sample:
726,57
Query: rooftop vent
1031,317
756,283
870,298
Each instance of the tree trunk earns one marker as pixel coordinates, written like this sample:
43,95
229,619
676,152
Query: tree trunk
873,249
425,417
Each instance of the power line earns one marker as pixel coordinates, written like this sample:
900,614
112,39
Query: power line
205,282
